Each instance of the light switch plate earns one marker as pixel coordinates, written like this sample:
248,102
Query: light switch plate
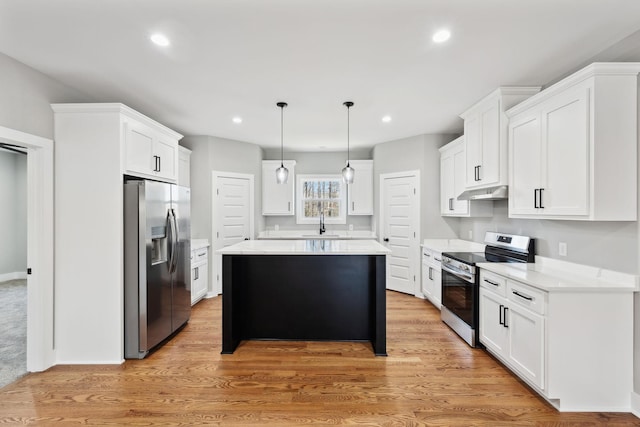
562,249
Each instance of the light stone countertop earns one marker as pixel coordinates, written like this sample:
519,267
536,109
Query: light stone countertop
452,245
199,244
560,276
315,234
305,247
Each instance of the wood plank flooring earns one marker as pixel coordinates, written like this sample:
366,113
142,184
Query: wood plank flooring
431,377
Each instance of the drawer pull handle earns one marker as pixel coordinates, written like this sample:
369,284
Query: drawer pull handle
491,283
523,296
438,259
501,320
505,317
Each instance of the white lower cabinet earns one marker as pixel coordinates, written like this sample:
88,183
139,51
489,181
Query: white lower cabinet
526,343
560,341
510,326
432,276
199,274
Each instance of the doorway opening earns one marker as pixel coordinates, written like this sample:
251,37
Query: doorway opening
40,351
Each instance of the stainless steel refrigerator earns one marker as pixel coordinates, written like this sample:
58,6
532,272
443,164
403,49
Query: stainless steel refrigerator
157,273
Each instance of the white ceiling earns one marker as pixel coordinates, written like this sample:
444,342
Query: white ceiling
239,57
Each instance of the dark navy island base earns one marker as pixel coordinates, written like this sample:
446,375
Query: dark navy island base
304,298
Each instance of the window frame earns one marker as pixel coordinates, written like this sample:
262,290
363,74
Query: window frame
301,179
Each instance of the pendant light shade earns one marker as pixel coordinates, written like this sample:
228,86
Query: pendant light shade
282,173
348,173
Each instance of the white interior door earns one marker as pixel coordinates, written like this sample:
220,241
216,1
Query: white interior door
232,217
401,230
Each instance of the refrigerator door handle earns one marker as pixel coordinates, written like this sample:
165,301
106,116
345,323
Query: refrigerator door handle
170,234
174,250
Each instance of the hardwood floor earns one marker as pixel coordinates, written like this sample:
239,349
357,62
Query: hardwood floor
431,377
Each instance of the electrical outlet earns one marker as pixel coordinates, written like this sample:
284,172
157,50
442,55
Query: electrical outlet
470,234
562,249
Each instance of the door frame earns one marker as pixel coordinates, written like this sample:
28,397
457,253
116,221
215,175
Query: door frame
40,232
416,263
215,278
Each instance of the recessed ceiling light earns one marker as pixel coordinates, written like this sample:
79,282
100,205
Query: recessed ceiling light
237,119
386,119
441,36
160,39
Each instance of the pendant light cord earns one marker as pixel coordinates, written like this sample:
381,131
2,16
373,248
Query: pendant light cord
282,136
348,127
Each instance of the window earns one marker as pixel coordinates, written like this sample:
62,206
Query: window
321,193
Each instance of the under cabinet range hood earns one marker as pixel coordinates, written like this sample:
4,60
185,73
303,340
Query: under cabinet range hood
499,192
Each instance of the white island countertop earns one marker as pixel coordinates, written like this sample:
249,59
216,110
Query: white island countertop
305,247
559,276
315,234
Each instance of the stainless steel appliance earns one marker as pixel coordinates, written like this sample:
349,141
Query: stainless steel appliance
460,279
157,274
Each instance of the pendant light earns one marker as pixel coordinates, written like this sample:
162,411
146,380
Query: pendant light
348,172
282,173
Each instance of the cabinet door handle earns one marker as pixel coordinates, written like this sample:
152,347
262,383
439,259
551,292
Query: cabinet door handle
504,319
501,319
197,273
155,163
450,203
353,206
522,296
430,273
491,283
479,179
540,204
159,163
289,206
386,239
535,198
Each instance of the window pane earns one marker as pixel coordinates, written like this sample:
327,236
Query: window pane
311,209
332,209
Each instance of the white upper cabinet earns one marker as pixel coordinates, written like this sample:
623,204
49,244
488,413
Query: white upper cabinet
278,199
145,147
452,183
184,166
485,131
573,148
150,151
360,193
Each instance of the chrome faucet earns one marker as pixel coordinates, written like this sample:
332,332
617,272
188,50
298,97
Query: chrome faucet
322,229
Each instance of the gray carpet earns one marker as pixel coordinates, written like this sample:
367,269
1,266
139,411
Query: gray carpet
13,331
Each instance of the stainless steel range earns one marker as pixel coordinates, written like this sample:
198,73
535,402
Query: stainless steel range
460,285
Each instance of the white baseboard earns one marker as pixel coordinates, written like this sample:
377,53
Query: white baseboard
13,276
635,404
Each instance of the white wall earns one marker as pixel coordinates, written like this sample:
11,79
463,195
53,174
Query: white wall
317,163
27,95
13,215
610,245
209,154
418,153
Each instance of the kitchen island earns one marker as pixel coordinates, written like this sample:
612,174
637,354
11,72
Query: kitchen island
305,290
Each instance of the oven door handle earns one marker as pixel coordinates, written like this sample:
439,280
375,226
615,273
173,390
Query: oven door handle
467,277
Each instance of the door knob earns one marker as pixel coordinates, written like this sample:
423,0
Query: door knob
386,239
